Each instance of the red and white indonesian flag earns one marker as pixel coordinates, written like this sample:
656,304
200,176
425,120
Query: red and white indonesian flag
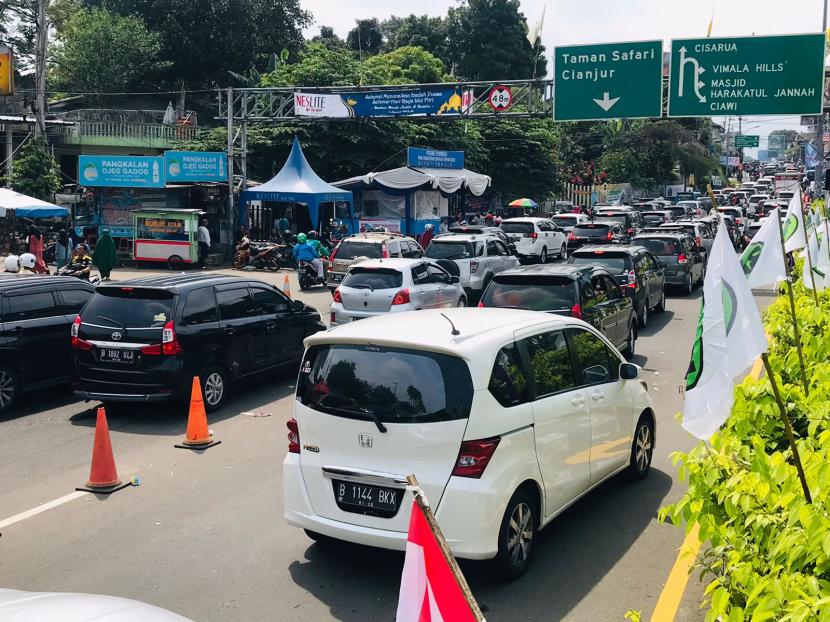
429,591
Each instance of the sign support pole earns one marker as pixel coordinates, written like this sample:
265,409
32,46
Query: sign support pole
229,110
820,124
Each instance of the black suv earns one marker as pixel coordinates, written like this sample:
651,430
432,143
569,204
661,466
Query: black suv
675,252
144,340
585,292
636,271
36,312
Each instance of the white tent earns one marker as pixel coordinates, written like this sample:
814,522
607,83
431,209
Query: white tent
29,207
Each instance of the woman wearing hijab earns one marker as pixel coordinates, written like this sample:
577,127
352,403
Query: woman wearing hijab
63,249
36,249
104,257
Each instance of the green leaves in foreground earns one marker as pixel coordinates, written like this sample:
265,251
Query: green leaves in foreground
766,552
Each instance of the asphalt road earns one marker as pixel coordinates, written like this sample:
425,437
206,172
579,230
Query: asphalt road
203,533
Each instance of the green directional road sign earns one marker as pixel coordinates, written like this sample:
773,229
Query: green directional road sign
746,140
746,76
608,81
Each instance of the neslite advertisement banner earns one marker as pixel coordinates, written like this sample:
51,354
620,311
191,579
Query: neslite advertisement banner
395,103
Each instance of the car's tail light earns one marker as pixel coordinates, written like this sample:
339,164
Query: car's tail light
610,235
334,253
332,318
533,236
681,258
336,297
474,456
77,342
698,241
473,266
576,311
480,304
632,280
384,251
401,298
169,345
630,230
293,436
571,235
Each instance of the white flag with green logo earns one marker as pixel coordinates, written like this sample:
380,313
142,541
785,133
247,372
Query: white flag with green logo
729,338
763,260
818,273
822,266
794,232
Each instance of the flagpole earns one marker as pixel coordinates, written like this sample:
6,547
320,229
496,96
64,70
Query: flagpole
444,547
788,429
796,334
809,261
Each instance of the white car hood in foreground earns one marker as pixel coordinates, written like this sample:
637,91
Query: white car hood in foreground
17,606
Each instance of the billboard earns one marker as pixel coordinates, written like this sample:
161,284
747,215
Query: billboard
434,158
186,166
392,103
121,171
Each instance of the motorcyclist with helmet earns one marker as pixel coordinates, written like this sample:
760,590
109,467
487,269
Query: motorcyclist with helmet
303,251
80,264
314,240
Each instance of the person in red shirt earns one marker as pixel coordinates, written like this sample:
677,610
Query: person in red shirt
426,236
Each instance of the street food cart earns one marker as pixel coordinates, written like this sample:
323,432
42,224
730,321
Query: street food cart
169,236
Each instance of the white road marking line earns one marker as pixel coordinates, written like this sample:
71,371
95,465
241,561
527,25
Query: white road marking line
42,508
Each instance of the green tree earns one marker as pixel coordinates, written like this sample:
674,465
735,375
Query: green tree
328,38
99,51
366,38
317,65
423,31
35,172
488,41
406,65
202,41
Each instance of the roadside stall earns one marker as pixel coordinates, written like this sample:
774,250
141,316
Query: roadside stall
167,236
17,210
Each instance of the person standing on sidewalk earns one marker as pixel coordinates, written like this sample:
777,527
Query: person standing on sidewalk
203,237
104,256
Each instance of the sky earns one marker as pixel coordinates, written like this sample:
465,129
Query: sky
603,21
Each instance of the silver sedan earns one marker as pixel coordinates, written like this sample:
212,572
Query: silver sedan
378,286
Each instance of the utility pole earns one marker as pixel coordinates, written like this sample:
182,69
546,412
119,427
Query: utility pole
40,69
820,125
741,150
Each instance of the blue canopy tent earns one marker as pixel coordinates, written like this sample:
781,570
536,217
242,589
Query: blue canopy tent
295,183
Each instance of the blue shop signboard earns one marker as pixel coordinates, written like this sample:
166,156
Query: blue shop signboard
434,158
121,171
187,166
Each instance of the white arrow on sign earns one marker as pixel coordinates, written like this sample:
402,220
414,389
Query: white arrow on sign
606,103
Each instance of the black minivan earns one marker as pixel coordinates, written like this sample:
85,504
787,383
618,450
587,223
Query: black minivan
144,340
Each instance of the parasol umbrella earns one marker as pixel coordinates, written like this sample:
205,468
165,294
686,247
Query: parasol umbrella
528,203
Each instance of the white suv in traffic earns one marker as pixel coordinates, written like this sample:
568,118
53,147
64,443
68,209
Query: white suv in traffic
536,239
477,257
506,417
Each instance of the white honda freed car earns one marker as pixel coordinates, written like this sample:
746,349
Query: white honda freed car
506,417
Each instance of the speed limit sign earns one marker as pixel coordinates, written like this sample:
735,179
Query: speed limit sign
501,98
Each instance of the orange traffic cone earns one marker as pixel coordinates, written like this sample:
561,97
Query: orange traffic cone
103,478
286,286
197,435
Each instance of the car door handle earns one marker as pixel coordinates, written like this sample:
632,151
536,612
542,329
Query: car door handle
597,397
578,401
270,327
229,330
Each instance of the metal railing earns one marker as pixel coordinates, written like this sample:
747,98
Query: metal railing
151,132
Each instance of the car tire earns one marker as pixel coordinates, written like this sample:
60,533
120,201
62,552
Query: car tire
462,302
9,388
642,318
543,256
215,387
642,448
518,527
690,286
563,252
661,306
630,344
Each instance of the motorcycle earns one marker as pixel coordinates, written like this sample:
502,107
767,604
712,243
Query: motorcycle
259,255
78,273
307,275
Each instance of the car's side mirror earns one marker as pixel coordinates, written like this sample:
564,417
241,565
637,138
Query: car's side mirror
297,305
629,371
454,279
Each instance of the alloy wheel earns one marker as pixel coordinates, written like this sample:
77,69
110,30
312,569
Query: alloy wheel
520,534
642,448
543,258
6,389
214,388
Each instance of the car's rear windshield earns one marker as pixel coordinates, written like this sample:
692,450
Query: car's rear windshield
392,385
652,218
517,227
373,278
659,246
350,249
534,293
677,210
445,249
128,307
615,263
620,218
592,230
565,219
731,212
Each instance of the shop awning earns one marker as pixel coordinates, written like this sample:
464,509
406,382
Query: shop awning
410,178
297,183
30,207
